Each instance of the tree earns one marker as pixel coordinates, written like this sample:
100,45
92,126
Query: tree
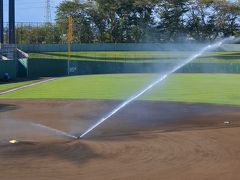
226,16
82,23
120,21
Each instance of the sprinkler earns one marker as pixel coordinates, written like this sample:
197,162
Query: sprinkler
13,141
20,142
78,138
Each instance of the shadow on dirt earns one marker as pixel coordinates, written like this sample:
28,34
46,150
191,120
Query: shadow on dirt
7,107
73,151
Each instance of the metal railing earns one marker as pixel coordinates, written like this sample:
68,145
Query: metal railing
8,51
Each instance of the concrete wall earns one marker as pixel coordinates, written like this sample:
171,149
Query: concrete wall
8,66
22,67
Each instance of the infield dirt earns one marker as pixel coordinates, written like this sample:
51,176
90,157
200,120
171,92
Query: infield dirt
147,140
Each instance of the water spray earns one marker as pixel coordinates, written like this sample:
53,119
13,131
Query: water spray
56,131
160,79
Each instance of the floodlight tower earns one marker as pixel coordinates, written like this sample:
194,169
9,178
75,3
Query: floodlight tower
11,21
48,11
1,22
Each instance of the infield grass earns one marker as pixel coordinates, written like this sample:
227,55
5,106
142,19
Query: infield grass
192,88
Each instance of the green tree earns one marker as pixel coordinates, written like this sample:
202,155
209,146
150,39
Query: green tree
137,21
171,26
81,21
226,17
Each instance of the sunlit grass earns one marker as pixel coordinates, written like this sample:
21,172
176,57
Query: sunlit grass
194,88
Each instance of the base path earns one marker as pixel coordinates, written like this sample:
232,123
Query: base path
147,140
26,86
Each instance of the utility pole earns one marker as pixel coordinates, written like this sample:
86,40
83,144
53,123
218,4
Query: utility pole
48,17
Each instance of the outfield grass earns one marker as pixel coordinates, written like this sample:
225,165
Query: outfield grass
141,56
7,86
194,88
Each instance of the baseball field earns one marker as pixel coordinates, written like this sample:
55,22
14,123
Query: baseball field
187,127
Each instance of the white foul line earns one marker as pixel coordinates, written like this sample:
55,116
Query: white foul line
26,86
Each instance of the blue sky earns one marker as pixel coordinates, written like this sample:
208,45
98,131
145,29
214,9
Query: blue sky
30,10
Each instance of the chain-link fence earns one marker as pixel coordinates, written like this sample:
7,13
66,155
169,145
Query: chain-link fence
47,33
36,33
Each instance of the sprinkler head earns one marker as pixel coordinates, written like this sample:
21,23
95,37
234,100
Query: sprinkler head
13,141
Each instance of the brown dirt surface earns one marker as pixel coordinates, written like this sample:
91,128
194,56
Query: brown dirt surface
146,140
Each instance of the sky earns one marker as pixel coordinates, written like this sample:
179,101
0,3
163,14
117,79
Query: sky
30,10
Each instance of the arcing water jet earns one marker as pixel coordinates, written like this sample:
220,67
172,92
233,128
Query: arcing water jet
160,79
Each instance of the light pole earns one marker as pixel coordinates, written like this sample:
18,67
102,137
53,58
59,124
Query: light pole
1,22
12,22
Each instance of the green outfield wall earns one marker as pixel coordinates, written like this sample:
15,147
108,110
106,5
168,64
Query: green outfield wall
46,68
121,47
54,68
